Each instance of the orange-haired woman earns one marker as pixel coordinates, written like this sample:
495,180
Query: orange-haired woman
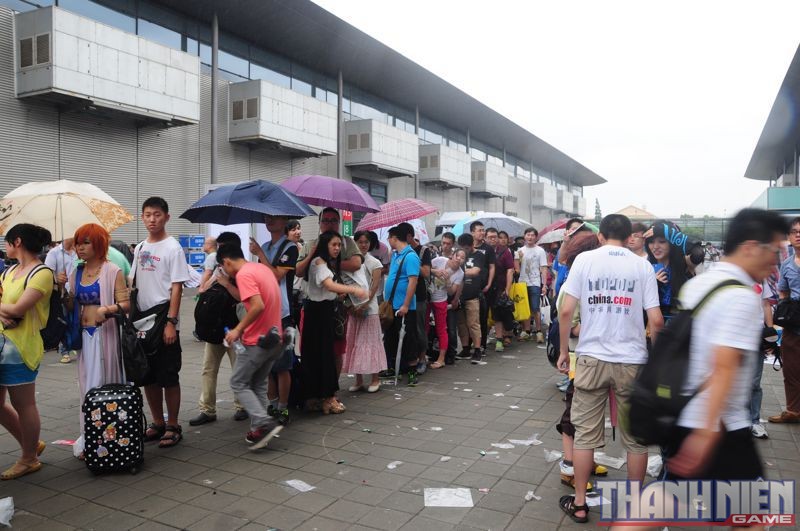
97,290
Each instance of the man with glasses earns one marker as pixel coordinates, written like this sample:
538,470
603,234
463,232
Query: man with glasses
351,256
789,288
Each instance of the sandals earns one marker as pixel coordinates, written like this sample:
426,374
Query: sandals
168,441
20,469
154,432
436,365
567,504
569,481
332,406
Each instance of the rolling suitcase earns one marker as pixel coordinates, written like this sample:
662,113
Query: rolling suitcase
114,429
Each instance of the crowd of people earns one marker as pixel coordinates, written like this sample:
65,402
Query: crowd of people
303,312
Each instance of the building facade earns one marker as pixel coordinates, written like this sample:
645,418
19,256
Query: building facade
776,157
119,93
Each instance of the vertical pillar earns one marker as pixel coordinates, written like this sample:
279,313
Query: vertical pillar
470,171
340,127
416,131
214,95
504,165
530,195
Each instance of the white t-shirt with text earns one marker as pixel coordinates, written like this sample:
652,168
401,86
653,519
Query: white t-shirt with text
156,267
532,259
613,287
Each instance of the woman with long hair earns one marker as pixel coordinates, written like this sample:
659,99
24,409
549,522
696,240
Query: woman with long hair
320,376
97,291
24,309
364,354
672,254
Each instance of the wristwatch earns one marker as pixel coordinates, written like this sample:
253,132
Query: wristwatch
173,320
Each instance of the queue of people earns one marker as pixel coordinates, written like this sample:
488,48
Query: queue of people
614,291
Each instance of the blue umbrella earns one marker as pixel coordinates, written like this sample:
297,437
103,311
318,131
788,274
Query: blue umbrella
246,203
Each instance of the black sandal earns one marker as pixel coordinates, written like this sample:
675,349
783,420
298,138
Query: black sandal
567,504
157,431
174,439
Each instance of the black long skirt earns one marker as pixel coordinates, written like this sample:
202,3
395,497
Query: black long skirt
320,379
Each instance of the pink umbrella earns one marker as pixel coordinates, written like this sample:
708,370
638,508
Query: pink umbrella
326,191
560,224
395,212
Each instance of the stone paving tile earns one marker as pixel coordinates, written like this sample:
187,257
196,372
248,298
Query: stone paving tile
212,481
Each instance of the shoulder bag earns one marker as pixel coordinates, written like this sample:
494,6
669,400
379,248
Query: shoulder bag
386,310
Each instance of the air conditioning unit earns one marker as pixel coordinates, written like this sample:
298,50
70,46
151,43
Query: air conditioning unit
74,60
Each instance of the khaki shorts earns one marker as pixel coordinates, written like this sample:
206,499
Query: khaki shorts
593,379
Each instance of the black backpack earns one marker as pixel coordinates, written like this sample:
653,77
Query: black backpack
215,310
54,330
656,401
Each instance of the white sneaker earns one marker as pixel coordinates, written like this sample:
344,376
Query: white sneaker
524,336
567,470
758,431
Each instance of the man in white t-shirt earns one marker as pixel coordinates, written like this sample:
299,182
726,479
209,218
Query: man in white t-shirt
530,261
614,288
713,438
159,271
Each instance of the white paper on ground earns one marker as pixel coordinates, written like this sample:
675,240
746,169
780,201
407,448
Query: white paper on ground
7,510
445,458
394,464
654,464
551,455
498,394
436,428
503,446
300,485
514,407
533,441
596,501
606,460
443,497
531,496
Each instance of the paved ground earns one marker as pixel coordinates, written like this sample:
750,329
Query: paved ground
212,481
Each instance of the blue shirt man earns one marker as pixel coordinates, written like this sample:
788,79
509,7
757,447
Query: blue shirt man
410,268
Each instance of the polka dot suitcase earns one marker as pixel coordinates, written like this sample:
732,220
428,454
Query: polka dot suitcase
114,427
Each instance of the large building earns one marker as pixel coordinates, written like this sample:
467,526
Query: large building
775,158
120,93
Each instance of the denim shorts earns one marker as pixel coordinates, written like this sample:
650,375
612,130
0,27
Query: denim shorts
13,370
534,292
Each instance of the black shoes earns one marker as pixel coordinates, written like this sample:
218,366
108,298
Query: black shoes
202,418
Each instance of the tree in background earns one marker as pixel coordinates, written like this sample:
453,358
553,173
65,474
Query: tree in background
598,214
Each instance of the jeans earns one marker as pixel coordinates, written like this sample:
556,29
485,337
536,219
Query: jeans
249,381
757,392
212,358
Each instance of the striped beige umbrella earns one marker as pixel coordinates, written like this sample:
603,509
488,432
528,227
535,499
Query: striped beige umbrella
61,207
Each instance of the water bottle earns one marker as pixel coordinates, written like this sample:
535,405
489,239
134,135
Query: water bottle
238,347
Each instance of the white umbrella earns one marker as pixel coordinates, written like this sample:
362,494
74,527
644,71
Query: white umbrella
61,207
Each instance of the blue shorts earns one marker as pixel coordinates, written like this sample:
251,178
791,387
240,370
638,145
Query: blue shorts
13,370
534,292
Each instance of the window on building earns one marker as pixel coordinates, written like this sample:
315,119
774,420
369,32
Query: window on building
116,18
26,5
378,192
301,86
159,34
261,72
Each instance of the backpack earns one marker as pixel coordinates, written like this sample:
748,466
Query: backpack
54,330
657,401
215,311
553,342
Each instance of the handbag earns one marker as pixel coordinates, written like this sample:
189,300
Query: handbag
522,308
134,358
386,310
339,319
787,313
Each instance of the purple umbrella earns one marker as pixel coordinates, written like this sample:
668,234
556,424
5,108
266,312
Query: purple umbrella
327,191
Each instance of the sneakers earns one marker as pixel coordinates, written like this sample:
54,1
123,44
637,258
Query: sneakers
476,357
464,354
565,469
412,378
272,411
65,358
240,415
422,367
758,431
283,417
261,436
202,418
499,347
524,336
539,338
386,373
785,417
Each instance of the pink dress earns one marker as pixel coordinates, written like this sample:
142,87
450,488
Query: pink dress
364,352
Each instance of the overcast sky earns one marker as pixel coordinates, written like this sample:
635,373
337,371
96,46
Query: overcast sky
666,100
